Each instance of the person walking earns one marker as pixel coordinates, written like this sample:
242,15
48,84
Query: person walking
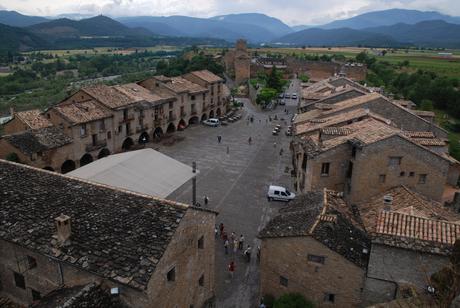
241,242
226,246
225,237
215,231
206,200
231,268
281,152
250,140
247,253
221,229
235,246
219,138
232,236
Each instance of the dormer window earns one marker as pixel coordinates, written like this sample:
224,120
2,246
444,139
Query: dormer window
83,130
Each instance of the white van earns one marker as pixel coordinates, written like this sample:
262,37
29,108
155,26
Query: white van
279,193
212,122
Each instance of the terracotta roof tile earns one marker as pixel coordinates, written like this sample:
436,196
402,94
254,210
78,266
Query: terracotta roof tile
82,112
108,96
336,131
430,141
423,113
33,118
414,134
207,76
138,94
181,85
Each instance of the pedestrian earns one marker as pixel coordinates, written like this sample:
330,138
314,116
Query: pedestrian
215,231
225,236
226,246
241,242
219,138
235,246
262,305
232,236
250,140
221,228
258,253
274,144
247,253
206,200
231,268
281,152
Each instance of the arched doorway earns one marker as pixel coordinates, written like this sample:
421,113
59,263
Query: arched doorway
218,112
127,144
144,138
86,159
49,168
204,117
67,166
182,125
158,133
211,114
103,153
171,128
193,120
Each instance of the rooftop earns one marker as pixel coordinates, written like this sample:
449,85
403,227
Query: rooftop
108,96
33,118
181,85
207,76
326,217
38,140
138,94
82,112
423,113
116,234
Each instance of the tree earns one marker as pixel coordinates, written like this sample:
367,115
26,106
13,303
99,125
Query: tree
266,95
292,300
274,79
12,157
426,105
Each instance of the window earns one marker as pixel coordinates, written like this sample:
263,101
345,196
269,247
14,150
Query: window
94,139
402,173
120,128
19,280
36,295
382,178
204,96
83,130
192,97
325,169
394,161
32,262
102,125
411,174
125,114
316,259
277,192
353,152
171,105
171,275
201,242
109,135
201,281
284,281
329,297
422,178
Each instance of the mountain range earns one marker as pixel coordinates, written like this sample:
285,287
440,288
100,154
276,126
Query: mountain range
395,27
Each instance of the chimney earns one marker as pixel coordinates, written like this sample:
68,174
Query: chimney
63,227
387,202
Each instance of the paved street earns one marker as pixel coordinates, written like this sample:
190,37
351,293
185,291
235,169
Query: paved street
236,184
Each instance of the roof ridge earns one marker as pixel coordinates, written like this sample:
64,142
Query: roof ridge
164,201
323,211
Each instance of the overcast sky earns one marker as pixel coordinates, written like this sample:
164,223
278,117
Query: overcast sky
292,12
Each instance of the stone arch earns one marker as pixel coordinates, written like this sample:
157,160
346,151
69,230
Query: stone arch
218,112
171,128
204,117
157,133
48,168
103,153
182,125
67,166
144,138
211,114
127,144
193,120
86,159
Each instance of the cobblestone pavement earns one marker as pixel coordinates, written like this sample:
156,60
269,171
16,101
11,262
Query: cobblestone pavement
236,184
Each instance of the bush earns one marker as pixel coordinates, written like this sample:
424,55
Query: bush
12,157
292,300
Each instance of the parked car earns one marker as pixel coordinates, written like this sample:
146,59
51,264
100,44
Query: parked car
294,96
288,96
282,102
275,132
281,95
212,122
279,193
289,131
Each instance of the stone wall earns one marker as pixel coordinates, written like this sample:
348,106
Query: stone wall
318,70
190,263
13,126
332,100
402,266
288,257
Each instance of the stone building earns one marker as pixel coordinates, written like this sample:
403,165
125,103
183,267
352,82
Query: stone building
102,119
369,156
238,62
25,120
316,248
45,148
412,237
59,232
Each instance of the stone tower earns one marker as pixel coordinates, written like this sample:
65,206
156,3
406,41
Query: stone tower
242,62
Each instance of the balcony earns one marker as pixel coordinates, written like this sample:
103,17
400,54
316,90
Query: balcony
99,145
127,119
